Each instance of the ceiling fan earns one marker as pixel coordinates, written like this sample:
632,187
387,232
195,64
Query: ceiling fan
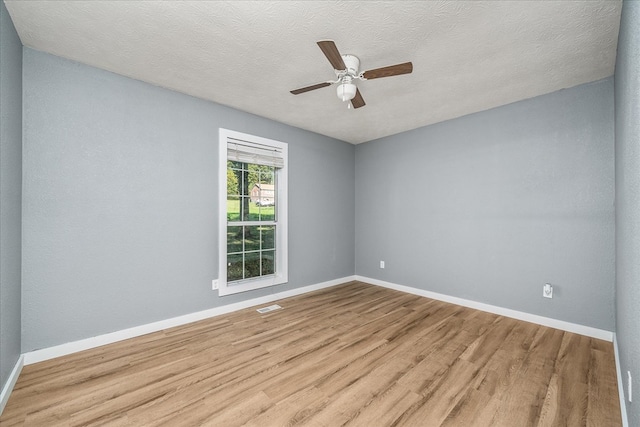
346,69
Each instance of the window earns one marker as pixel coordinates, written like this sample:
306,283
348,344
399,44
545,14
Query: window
253,218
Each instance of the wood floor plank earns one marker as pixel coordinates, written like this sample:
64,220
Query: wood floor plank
348,401
599,388
293,410
354,354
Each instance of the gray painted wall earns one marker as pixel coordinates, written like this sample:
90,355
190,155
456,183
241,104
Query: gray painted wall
627,90
491,206
120,212
120,202
10,193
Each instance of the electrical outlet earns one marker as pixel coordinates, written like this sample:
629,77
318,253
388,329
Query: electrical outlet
547,290
214,284
629,383
381,264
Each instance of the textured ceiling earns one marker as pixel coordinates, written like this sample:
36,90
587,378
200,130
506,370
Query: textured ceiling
468,56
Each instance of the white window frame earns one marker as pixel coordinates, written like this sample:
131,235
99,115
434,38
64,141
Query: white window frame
281,263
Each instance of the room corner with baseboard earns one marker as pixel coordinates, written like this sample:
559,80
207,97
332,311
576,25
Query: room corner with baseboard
10,204
627,126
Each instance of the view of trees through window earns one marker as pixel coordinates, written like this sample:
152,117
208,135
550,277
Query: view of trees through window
251,215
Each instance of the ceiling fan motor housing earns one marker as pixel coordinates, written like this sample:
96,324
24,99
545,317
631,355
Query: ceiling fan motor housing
346,90
352,63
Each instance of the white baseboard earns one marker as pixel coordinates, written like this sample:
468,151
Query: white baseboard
11,382
88,343
527,317
623,403
85,344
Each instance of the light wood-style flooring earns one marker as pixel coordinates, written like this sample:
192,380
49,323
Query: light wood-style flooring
354,354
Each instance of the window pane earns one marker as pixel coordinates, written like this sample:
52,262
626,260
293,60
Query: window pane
262,180
232,182
233,208
268,237
261,173
243,180
254,214
252,238
268,264
270,176
234,267
234,239
252,265
267,213
234,165
244,209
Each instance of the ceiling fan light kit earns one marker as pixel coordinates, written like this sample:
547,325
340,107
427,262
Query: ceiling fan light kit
346,90
347,68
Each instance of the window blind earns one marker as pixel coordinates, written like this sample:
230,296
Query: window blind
251,152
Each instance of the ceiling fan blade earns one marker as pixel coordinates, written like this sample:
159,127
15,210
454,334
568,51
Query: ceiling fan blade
357,100
308,88
333,55
391,70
